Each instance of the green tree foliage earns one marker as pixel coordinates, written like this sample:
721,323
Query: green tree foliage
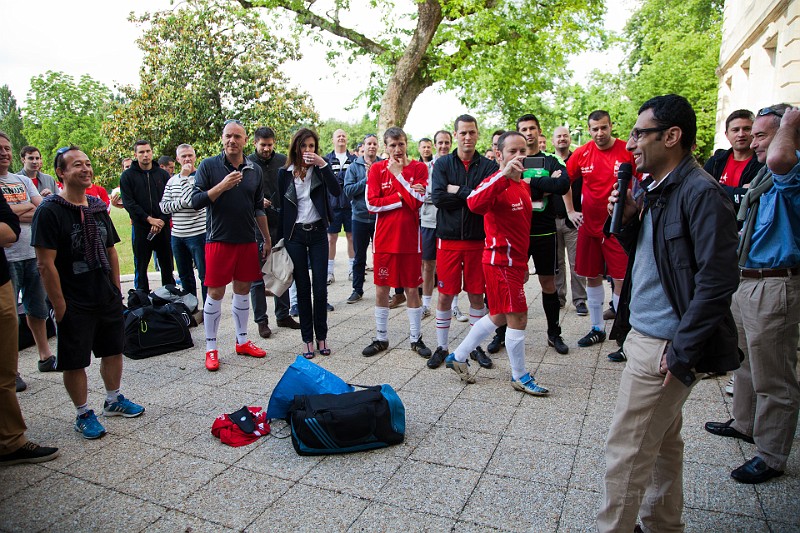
11,123
206,61
673,47
496,54
60,111
355,132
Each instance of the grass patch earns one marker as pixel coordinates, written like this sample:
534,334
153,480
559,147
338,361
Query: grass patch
122,222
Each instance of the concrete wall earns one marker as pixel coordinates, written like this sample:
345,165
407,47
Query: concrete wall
759,60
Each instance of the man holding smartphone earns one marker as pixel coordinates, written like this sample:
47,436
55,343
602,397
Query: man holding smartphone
231,189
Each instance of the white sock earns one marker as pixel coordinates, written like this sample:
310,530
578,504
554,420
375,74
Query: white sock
112,396
240,307
426,301
381,319
293,294
330,266
476,314
414,320
82,409
352,260
515,346
477,333
594,301
455,302
615,300
443,319
211,311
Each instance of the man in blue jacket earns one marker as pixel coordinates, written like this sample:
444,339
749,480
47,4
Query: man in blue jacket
340,160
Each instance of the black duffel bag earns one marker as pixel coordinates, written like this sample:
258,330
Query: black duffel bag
325,424
153,331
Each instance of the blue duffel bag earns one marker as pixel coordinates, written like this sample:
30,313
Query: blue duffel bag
302,377
325,424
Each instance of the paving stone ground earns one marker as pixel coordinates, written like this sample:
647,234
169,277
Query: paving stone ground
479,457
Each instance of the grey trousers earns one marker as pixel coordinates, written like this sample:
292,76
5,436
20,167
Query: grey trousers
567,241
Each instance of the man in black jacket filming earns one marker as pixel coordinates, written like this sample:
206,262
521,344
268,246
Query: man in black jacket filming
675,305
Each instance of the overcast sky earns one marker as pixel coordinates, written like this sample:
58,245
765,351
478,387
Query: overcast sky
94,37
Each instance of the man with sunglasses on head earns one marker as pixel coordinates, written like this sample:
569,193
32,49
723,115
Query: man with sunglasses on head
675,311
766,306
74,240
231,190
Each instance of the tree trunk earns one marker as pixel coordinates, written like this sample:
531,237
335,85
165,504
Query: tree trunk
408,81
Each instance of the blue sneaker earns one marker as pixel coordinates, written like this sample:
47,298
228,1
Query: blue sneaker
527,385
88,426
122,407
462,369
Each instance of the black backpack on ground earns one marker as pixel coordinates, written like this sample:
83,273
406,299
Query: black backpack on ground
325,424
151,330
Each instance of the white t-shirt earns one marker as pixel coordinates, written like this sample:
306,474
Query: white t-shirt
17,190
306,212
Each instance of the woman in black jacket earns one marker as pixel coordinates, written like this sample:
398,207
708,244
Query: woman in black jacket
303,188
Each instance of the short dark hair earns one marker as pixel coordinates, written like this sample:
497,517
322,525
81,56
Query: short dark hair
674,110
424,140
140,142
464,118
497,132
58,162
739,113
28,150
527,118
394,133
165,160
444,132
263,133
501,142
598,114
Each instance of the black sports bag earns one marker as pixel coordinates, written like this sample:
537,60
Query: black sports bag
325,424
153,331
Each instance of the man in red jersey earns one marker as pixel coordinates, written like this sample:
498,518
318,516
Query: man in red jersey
597,163
395,192
504,200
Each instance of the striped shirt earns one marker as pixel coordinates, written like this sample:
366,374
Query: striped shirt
186,222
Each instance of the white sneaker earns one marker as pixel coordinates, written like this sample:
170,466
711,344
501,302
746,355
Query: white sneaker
729,386
331,279
458,315
426,311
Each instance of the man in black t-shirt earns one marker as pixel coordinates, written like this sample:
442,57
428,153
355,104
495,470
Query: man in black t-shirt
74,240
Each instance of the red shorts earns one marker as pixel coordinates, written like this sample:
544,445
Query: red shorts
397,270
228,261
505,289
597,256
453,266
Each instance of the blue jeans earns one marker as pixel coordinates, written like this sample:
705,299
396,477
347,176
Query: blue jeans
311,247
362,234
188,250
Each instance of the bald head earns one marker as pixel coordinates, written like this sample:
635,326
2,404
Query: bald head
561,140
340,141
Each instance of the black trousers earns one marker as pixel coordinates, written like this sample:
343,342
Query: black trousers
143,250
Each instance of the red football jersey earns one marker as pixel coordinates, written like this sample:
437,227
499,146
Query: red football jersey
396,205
507,209
598,168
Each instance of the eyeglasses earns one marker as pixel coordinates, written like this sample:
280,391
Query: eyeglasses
368,135
638,133
770,111
232,121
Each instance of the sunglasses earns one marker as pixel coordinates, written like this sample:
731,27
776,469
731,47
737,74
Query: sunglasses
232,121
770,111
60,153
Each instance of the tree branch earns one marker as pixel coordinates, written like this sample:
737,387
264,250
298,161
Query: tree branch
308,18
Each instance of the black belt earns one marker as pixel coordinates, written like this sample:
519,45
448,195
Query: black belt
758,273
309,226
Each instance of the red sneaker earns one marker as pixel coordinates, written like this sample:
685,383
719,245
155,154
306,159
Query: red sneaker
250,349
212,360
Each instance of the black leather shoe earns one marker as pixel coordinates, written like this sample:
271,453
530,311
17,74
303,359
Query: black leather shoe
497,342
480,356
755,471
437,358
558,343
724,429
288,322
375,348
